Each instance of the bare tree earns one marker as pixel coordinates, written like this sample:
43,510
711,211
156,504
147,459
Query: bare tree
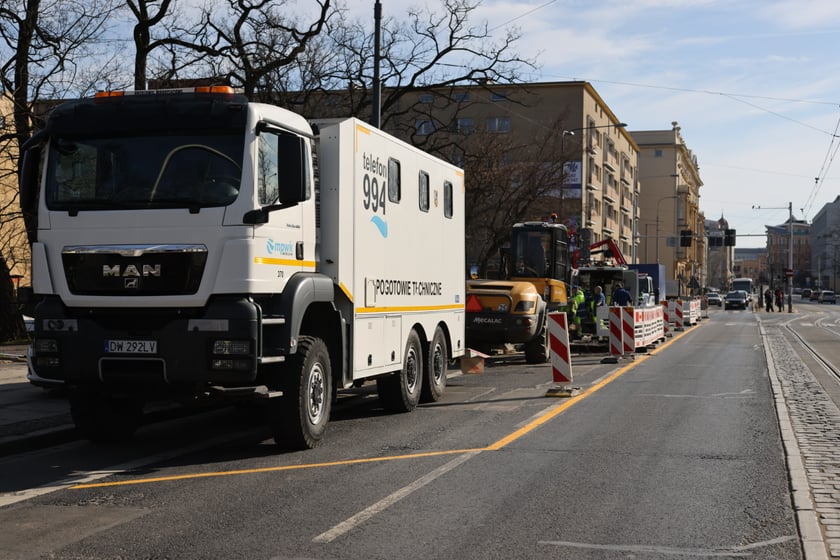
421,51
247,42
43,44
506,184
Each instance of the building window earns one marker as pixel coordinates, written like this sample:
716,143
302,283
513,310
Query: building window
463,126
657,153
498,124
462,97
496,96
426,98
424,127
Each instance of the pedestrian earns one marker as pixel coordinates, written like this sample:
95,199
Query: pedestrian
579,312
768,300
780,297
621,296
598,297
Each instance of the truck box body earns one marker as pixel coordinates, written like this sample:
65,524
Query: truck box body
657,273
382,270
181,247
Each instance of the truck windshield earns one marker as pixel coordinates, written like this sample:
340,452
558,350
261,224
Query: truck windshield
143,171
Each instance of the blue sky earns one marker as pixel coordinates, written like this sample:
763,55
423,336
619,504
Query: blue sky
754,85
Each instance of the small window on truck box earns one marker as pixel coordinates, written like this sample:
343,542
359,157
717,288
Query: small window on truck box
447,199
424,191
394,181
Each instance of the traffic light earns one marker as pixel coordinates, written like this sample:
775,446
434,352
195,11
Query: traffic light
715,241
685,238
729,237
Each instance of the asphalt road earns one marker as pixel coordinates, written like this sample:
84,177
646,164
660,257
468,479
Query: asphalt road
676,454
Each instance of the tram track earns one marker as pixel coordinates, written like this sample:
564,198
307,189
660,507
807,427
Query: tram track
829,367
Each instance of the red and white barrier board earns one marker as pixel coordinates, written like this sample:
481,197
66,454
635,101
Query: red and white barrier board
558,338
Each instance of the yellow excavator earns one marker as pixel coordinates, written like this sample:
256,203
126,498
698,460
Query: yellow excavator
513,312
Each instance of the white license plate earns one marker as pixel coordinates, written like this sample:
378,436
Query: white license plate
131,346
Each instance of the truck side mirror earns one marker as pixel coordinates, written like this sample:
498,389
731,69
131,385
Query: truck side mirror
291,161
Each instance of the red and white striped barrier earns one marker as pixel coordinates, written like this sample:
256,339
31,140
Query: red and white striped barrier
628,325
678,314
558,338
616,332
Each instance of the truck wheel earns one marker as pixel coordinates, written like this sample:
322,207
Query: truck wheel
537,349
299,418
400,392
434,378
100,417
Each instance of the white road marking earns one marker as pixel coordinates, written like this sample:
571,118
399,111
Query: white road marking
356,520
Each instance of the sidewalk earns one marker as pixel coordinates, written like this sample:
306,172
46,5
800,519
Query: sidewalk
27,412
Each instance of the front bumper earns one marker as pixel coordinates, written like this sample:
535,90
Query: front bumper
72,345
498,328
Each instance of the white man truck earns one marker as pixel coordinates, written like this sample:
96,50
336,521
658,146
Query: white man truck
191,245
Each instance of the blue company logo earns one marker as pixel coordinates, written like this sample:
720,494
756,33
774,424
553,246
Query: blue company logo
381,225
282,248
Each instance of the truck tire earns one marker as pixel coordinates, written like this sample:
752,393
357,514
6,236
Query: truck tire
400,392
103,418
537,350
298,419
434,376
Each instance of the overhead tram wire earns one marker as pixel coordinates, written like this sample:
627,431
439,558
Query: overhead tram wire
829,159
520,16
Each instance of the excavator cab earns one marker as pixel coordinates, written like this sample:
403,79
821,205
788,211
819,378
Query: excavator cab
539,253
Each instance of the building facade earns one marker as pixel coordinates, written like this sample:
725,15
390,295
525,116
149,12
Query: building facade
825,247
597,188
719,256
751,263
779,240
671,227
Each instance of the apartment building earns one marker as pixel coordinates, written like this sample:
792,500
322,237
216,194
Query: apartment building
671,226
825,247
597,188
779,239
719,256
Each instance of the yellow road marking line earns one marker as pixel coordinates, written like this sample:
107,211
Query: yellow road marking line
500,444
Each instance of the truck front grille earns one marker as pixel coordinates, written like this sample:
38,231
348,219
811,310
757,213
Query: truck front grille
134,270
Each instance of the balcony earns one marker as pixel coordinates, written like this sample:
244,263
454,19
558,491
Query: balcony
611,161
610,225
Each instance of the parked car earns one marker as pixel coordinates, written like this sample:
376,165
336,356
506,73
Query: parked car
713,298
736,299
806,293
815,295
827,296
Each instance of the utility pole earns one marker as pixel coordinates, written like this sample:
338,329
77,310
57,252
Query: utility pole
376,110
790,260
